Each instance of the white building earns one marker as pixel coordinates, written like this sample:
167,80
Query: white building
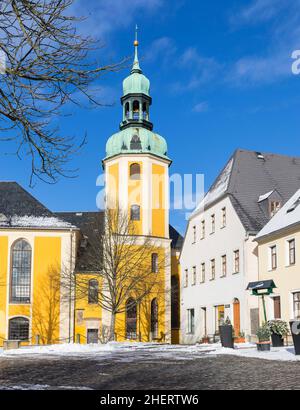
219,256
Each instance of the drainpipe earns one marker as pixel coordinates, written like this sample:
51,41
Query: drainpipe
70,286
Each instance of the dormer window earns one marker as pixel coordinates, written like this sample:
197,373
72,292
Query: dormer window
274,207
135,143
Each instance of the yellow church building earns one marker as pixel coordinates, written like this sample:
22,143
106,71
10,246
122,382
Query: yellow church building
39,247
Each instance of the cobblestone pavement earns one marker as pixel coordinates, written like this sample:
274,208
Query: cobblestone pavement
131,371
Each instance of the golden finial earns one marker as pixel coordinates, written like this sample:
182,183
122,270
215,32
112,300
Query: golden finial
136,42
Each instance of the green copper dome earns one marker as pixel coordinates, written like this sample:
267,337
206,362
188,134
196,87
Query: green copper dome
136,83
136,141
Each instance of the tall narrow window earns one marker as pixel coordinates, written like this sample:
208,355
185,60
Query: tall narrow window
145,111
296,304
175,305
224,266
93,292
273,251
274,207
154,319
136,110
191,321
194,234
186,278
135,213
194,276
18,329
154,262
131,319
292,252
135,172
277,307
127,110
213,223
203,230
213,269
236,255
202,273
224,219
21,272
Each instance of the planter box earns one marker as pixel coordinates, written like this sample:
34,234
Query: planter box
11,344
295,329
277,340
239,340
226,334
263,346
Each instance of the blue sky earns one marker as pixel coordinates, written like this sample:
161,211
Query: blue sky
221,79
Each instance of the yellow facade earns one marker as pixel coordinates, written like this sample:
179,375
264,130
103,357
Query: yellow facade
285,276
43,309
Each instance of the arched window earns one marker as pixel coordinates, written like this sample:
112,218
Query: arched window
127,110
135,213
145,112
135,143
174,302
131,319
135,172
136,110
154,262
18,329
93,291
20,272
154,319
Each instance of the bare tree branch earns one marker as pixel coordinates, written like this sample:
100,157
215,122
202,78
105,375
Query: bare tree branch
47,67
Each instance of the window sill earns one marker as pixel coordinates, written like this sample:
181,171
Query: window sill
20,303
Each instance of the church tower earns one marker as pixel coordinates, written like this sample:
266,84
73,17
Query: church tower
137,181
137,163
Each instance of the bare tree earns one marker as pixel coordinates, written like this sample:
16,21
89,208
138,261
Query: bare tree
46,308
46,67
125,265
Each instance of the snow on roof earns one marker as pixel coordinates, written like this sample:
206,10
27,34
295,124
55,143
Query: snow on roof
34,222
287,216
217,190
265,196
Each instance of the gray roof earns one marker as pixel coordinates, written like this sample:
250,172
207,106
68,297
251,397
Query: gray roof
19,209
248,176
88,223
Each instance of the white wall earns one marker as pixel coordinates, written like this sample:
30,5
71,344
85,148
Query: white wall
221,291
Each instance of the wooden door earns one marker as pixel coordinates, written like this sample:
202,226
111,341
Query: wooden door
237,317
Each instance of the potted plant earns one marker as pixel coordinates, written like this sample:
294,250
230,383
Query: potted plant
263,334
205,340
279,330
295,329
227,334
240,338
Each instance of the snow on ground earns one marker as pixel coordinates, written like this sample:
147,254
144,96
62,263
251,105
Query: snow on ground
136,351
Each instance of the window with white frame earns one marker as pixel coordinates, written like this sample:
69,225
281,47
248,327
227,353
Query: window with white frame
213,269
224,266
224,217
191,321
194,234
203,230
296,305
194,280
236,261
274,207
292,252
213,223
202,280
273,257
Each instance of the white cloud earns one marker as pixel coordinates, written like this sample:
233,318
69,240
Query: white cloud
105,16
161,49
201,107
283,32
